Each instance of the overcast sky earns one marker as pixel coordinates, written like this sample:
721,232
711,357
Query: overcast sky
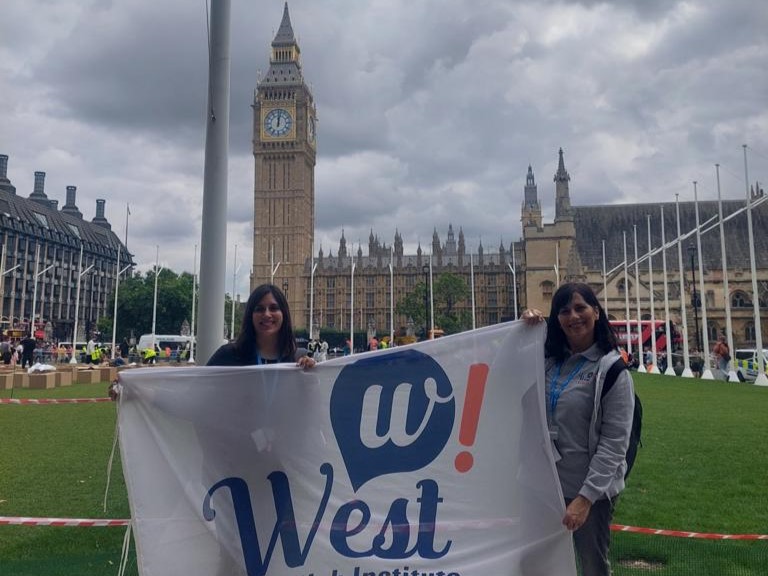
430,111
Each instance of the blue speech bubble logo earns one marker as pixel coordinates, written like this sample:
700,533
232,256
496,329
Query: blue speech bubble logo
391,413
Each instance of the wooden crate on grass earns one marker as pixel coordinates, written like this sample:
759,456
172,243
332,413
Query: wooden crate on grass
86,376
108,373
65,377
21,379
42,380
6,380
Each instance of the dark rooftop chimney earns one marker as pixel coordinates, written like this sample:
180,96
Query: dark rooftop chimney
71,207
100,220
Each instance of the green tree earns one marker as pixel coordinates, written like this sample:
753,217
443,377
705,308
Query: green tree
449,291
135,302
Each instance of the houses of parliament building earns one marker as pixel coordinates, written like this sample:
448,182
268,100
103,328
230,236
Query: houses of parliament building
568,249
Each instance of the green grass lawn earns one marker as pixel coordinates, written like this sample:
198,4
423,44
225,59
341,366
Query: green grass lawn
703,467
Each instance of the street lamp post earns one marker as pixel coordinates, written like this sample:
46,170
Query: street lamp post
425,269
695,296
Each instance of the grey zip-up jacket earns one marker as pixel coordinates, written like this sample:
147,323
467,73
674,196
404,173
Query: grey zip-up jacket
608,434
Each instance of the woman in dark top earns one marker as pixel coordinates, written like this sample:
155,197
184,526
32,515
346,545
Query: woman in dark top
266,336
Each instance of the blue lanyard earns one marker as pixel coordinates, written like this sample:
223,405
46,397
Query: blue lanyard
555,390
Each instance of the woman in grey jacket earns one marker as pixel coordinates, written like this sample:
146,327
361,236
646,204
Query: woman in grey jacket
589,436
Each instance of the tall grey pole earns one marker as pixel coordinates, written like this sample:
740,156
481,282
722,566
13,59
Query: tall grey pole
34,292
605,282
194,297
640,351
731,376
352,305
687,372
234,287
706,373
154,300
213,247
626,296
654,369
114,313
670,371
762,379
391,297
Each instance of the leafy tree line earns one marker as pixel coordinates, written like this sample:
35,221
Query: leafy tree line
174,305
449,290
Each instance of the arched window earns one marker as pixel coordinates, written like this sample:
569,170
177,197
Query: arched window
621,287
749,332
547,289
740,300
713,331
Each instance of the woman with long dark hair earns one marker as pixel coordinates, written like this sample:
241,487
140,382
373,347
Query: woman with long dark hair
266,335
589,432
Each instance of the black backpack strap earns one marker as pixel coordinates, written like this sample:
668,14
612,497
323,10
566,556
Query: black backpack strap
612,375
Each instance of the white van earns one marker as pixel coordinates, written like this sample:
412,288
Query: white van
163,341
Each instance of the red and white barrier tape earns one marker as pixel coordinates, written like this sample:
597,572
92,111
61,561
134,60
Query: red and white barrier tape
97,522
682,534
86,522
52,400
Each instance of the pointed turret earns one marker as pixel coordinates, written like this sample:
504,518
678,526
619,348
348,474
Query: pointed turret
285,62
562,195
531,210
342,245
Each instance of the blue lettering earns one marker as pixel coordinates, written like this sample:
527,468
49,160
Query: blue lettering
285,525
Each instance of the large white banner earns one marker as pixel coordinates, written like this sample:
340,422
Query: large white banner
426,460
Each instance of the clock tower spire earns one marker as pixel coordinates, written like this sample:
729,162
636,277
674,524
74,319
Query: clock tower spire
284,120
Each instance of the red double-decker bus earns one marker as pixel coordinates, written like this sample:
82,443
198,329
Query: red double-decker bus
646,329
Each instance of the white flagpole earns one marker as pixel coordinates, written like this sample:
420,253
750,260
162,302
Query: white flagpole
472,287
762,379
154,301
431,299
391,296
654,368
731,376
706,373
80,273
557,264
34,293
687,372
312,295
194,297
234,285
670,371
605,283
352,306
640,351
114,314
626,295
514,279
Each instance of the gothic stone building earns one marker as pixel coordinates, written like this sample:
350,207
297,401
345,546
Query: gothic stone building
39,240
570,248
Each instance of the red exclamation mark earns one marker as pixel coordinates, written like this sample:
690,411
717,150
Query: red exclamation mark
470,415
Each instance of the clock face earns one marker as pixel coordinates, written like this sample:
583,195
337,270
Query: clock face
311,129
278,122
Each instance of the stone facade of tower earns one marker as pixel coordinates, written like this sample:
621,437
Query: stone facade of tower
284,139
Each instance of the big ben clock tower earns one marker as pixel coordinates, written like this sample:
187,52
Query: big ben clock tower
284,192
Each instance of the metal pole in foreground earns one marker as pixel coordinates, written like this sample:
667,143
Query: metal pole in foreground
762,379
687,373
213,248
194,297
